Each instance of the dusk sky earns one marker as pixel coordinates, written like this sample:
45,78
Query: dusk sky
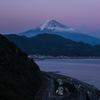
21,15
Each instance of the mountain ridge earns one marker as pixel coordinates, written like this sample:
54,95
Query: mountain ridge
51,44
54,27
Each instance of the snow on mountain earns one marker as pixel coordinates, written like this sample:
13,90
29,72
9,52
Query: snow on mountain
55,27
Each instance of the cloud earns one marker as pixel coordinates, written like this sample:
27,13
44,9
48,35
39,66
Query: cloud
82,26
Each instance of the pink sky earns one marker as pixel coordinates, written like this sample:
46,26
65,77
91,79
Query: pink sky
21,15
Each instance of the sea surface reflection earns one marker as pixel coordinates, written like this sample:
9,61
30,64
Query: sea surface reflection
87,70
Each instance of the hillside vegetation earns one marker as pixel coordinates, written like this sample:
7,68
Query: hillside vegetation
20,77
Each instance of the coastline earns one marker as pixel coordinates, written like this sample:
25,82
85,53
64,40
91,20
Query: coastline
86,70
77,83
42,57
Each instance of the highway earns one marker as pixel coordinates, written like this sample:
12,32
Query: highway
49,91
82,88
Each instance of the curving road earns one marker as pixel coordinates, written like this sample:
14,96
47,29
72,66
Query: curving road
82,88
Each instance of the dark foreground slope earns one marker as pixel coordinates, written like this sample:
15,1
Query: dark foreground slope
20,77
55,45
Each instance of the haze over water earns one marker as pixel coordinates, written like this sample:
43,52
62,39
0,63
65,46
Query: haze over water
86,70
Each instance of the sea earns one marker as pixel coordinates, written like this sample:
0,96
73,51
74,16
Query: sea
86,70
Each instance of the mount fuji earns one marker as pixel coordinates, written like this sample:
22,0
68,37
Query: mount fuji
54,27
50,26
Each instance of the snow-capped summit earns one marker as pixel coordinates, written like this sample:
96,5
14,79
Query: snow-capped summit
51,27
54,26
51,24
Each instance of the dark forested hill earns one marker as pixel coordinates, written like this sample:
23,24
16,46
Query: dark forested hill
50,44
20,77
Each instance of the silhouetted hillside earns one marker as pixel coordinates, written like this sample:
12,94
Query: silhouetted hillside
20,77
55,45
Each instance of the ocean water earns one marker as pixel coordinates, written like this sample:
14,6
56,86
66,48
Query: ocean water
86,70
